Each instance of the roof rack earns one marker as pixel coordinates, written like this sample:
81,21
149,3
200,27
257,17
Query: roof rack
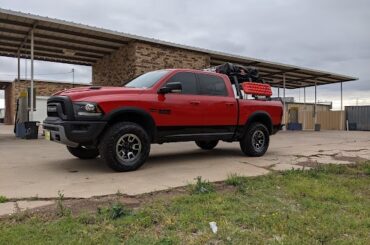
244,78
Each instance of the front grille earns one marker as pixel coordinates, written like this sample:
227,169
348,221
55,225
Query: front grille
55,109
52,109
60,106
53,114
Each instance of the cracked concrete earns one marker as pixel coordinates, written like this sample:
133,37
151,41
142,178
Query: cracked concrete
30,168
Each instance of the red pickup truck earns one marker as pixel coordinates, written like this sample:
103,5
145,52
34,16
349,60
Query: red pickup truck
172,105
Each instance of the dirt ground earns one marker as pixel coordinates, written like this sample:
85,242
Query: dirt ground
38,169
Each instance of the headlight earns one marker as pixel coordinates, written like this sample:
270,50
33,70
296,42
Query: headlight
87,109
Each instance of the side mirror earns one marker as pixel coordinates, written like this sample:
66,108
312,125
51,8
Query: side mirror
174,87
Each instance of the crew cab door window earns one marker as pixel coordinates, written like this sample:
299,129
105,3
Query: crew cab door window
188,82
211,85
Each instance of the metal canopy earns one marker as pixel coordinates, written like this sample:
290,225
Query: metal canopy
67,42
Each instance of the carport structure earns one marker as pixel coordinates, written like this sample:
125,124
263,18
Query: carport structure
41,38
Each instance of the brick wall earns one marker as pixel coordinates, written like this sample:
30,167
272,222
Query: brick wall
9,105
137,58
116,68
153,57
43,88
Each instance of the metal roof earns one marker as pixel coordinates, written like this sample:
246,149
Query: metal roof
68,42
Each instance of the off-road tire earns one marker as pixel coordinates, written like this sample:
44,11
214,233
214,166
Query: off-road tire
110,142
206,145
83,153
249,142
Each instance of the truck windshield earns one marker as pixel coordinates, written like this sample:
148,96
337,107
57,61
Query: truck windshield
146,80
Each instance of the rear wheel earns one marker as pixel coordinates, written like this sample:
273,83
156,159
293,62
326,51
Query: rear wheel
125,146
83,152
206,145
255,141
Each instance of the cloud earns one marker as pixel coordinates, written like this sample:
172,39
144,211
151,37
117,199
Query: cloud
328,35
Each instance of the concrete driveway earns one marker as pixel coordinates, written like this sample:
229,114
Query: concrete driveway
30,168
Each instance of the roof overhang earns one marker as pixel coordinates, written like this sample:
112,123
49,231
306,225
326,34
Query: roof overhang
4,84
67,42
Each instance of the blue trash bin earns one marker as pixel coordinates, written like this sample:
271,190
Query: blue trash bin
27,130
20,130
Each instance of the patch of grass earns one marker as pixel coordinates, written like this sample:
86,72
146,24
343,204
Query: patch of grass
201,186
239,182
3,199
234,180
327,205
87,219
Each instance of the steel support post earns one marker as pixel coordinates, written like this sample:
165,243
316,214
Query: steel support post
284,110
341,96
32,95
73,77
341,106
19,67
315,109
304,108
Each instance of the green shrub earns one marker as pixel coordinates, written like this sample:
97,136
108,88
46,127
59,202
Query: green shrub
62,210
3,199
114,211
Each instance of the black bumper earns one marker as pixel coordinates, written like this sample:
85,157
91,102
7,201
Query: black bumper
74,133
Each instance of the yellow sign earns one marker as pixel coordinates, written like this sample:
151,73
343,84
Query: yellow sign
47,135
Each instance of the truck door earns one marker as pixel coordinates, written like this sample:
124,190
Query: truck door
180,113
219,106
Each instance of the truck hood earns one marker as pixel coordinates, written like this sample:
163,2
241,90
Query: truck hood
81,93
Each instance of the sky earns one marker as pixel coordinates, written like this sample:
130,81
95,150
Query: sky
329,35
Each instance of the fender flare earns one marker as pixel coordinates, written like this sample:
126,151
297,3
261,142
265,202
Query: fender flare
148,123
262,117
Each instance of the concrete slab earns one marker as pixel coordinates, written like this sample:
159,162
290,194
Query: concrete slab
30,168
13,207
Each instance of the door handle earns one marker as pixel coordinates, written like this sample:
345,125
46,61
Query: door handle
230,104
194,102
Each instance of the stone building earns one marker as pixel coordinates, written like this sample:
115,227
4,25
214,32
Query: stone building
136,58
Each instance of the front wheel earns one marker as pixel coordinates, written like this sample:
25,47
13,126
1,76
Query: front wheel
125,146
206,145
255,141
83,153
